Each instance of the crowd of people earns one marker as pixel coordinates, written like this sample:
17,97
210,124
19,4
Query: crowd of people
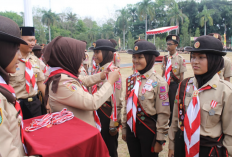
195,113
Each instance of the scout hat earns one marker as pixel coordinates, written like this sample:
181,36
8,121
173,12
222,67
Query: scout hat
113,42
173,38
208,44
92,47
27,31
9,31
144,47
37,48
103,44
216,35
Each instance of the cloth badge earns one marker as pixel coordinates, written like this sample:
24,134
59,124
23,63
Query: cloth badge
154,84
182,117
162,89
136,48
174,70
139,109
118,85
165,103
71,87
163,96
1,117
148,87
180,112
36,75
173,37
17,69
149,81
197,44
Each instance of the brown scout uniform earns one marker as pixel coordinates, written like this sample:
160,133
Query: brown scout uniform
211,125
226,71
86,61
178,67
116,59
71,95
83,71
10,139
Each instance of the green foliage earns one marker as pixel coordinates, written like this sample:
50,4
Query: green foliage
185,37
130,41
13,16
197,32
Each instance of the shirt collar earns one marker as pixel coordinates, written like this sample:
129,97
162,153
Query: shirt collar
173,56
213,82
149,73
104,66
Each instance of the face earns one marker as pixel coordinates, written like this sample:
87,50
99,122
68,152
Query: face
199,63
31,43
11,68
171,46
139,61
98,56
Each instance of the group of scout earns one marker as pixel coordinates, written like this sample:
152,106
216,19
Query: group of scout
197,109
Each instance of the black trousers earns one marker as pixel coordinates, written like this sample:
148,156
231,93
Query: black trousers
111,141
140,146
30,109
172,94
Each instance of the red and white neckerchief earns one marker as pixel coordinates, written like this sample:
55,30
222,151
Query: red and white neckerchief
57,70
17,107
114,115
168,69
29,75
115,54
192,122
46,68
50,119
83,69
131,107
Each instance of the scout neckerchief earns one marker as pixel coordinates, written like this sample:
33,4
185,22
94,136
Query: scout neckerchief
83,69
17,107
94,87
168,69
58,70
132,102
192,124
29,75
94,66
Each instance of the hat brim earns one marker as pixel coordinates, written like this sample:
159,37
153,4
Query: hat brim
105,48
150,52
11,38
91,48
211,51
36,49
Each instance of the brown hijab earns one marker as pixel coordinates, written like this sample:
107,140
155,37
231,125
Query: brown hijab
66,53
7,54
150,59
107,56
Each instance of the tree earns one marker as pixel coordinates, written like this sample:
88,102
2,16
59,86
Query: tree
174,15
145,9
13,16
122,22
130,41
185,37
49,19
71,17
197,32
205,16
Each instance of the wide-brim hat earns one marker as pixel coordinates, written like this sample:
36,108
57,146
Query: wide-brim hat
216,35
10,32
208,44
144,47
173,38
37,48
103,44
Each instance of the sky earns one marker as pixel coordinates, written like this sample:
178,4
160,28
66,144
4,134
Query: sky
98,10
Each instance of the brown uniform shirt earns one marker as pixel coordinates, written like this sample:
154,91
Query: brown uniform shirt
10,138
83,71
118,96
86,61
212,126
226,71
71,95
116,59
153,104
178,64
18,81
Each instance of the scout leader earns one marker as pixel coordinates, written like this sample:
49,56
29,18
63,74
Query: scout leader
226,72
28,77
65,88
146,113
116,58
173,66
110,112
10,112
201,123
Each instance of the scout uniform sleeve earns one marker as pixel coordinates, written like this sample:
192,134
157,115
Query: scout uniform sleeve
70,93
7,149
91,80
163,65
119,100
182,65
162,110
227,124
227,68
40,75
42,65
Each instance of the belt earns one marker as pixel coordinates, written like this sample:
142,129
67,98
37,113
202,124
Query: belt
30,99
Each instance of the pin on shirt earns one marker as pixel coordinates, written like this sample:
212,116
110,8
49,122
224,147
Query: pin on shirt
212,105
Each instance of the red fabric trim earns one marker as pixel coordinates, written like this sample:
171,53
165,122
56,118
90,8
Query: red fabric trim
145,125
157,31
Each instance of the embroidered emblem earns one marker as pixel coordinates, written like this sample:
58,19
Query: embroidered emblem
136,48
17,69
139,115
197,44
35,75
181,106
139,109
1,117
142,118
163,96
71,87
142,113
180,123
174,70
180,112
154,84
165,103
214,86
118,85
182,128
182,117
162,89
195,93
173,37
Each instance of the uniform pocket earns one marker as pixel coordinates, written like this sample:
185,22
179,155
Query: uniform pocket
17,78
210,120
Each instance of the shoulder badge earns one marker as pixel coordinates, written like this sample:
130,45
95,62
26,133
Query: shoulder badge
71,86
1,117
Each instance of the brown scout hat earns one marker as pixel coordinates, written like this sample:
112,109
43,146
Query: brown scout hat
173,38
216,35
9,31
